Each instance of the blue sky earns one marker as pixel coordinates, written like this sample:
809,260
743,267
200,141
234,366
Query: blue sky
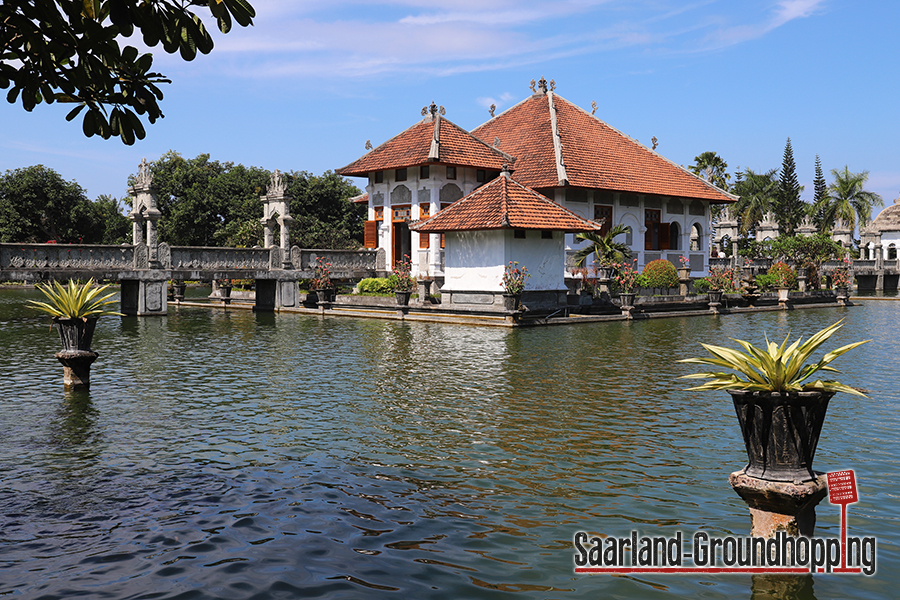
312,81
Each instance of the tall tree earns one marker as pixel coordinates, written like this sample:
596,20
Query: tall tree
758,194
38,205
713,168
820,188
847,199
68,51
789,208
205,202
603,247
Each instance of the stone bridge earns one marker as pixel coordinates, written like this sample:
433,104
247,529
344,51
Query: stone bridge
144,267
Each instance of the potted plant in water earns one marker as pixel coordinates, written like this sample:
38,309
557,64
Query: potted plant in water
75,309
841,279
404,286
780,408
514,278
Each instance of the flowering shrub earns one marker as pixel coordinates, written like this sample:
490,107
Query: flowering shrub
322,275
719,280
685,261
659,274
402,269
841,277
784,274
626,276
514,278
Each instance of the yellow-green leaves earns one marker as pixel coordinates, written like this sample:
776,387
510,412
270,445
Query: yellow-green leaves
74,300
778,368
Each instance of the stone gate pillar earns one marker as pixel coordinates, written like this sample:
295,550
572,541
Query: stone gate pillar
144,211
276,210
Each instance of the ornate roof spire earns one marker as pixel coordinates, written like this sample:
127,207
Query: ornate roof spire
492,108
144,177
542,85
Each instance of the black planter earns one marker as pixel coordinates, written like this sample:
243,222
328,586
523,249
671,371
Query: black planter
403,298
714,296
76,334
781,432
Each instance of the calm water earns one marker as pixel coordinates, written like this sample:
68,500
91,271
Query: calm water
242,455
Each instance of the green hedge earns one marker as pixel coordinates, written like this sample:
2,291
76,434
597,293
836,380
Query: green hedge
659,274
378,285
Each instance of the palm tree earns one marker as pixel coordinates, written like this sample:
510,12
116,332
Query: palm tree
847,200
758,192
711,167
603,246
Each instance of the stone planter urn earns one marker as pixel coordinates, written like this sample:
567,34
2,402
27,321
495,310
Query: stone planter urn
179,289
781,432
783,293
76,334
627,298
323,295
511,302
403,297
424,290
684,273
714,296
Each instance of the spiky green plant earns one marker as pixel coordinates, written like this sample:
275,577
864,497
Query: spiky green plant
776,369
74,300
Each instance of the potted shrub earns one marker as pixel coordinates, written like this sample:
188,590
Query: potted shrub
720,281
659,274
785,279
514,278
321,282
404,285
780,407
684,271
842,279
626,280
75,309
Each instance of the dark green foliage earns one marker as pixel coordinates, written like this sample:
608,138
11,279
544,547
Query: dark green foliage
713,168
210,203
659,274
69,51
847,199
37,205
758,194
767,282
789,208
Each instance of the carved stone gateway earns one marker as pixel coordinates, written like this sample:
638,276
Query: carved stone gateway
145,213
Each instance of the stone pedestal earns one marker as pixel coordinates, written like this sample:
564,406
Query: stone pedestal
144,297
273,294
76,368
780,506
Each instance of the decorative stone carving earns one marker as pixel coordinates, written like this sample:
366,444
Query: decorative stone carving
296,256
380,259
141,257
154,295
164,255
401,195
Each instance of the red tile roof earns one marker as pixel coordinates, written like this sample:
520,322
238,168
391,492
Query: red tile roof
361,199
504,204
432,140
594,155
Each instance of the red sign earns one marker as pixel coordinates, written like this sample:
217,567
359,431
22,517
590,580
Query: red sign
842,487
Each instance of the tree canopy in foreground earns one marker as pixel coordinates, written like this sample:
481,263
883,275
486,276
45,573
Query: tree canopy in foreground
69,51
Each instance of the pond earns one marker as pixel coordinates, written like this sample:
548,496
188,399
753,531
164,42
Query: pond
249,455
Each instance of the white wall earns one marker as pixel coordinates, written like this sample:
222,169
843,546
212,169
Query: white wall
475,261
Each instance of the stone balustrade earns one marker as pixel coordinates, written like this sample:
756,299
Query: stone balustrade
194,258
80,257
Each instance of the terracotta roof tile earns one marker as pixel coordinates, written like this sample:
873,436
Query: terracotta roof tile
594,155
504,204
361,199
455,146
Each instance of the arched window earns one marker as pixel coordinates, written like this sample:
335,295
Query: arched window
892,252
696,237
450,193
674,236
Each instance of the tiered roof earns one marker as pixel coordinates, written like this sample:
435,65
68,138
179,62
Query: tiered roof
434,139
504,204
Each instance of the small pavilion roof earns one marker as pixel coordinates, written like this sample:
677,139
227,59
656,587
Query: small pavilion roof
504,204
559,144
434,139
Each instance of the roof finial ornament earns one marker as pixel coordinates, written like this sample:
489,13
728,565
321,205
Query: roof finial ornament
655,142
442,110
593,107
531,85
552,84
492,108
542,85
496,142
368,144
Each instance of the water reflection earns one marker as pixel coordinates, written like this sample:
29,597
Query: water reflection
782,587
251,454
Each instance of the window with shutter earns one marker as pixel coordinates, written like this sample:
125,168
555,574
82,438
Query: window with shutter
371,234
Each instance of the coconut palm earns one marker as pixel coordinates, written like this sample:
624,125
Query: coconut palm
847,200
712,168
758,192
603,246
